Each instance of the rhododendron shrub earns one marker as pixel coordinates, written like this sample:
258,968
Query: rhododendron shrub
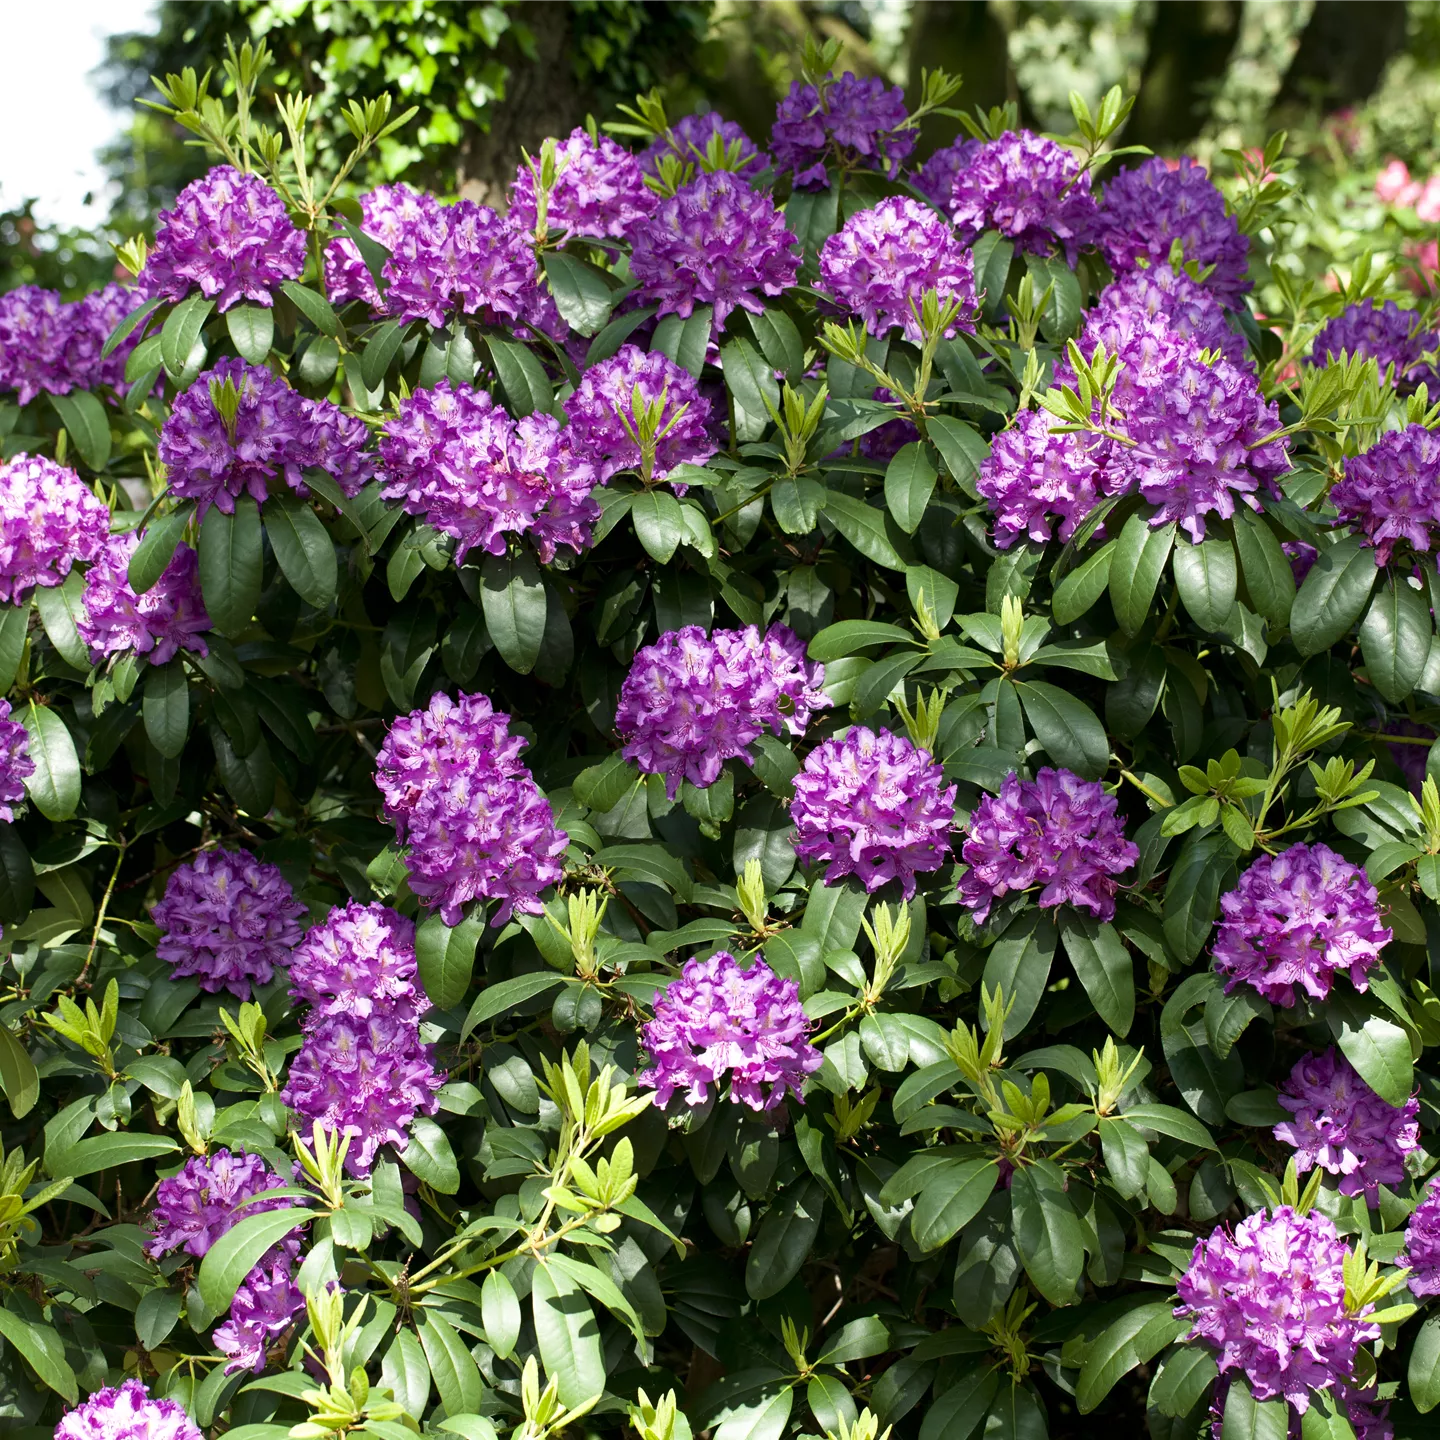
782,789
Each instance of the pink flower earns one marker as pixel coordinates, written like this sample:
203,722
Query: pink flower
1394,186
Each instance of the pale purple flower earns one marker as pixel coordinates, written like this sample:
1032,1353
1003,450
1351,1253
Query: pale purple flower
128,1412
1036,474
1298,919
1190,310
207,1198
848,122
265,1306
92,320
688,139
49,522
1384,333
1422,1244
34,329
15,762
359,960
170,616
228,919
388,213
718,1019
1057,832
1391,493
599,193
935,179
874,806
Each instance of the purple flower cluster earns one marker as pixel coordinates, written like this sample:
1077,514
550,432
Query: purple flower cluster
1026,187
935,179
49,522
47,344
128,1412
692,701
714,242
362,1070
229,235
883,260
720,1019
605,430
276,431
1271,1300
688,139
1345,1128
1298,918
1384,333
848,122
1036,473
15,762
600,190
1190,310
1391,493
475,823
170,616
264,1307
1147,208
1422,1244
1057,831
874,806
471,470
387,214
228,919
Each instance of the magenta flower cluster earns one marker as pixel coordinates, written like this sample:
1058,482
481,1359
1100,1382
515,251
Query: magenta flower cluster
1384,333
599,193
467,467
692,701
169,617
360,961
127,1412
883,260
1270,1300
935,179
1344,1127
50,345
1036,474
874,806
49,522
1058,832
230,237
720,1019
387,214
16,766
1298,919
265,1306
1190,310
475,824
688,140
1422,1244
227,919
847,122
1391,493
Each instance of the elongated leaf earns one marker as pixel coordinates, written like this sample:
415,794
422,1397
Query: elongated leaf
958,1413
314,307
446,957
659,523
1333,596
495,999
582,297
909,483
1135,570
105,1152
1184,1376
850,636
1269,577
252,329
303,549
1207,577
87,424
157,548
1047,1233
14,625
166,708
1104,967
1137,1336
500,1313
42,1346
181,333
568,1336
522,376
1066,727
235,1254
61,608
54,786
1083,586
752,383
864,527
231,564
1127,1157
1019,964
783,1241
1247,1418
19,1078
951,1201
452,1367
1423,1378
512,596
1395,638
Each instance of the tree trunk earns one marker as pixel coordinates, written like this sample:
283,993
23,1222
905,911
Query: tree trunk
1191,42
1342,54
966,39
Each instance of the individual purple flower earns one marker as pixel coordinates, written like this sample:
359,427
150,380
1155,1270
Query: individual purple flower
1271,1301
1187,307
883,260
359,960
230,236
1345,1128
1384,333
1036,474
848,122
799,679
474,822
128,1412
935,179
332,441
170,616
228,919
208,1198
1147,208
366,1079
874,806
264,1307
1298,919
714,242
611,428
34,329
1302,557
1422,1244
1029,189
689,138
15,762
455,458
599,192
1056,831
388,213
49,522
718,1019
1391,493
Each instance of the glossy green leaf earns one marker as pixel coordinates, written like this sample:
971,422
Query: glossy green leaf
54,787
513,598
1136,568
231,565
303,549
1333,596
87,425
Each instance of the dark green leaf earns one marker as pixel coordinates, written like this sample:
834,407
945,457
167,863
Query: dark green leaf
659,523
496,999
87,424
1269,577
429,1157
231,565
513,598
1048,1233
582,297
685,341
957,1413
166,707
42,1346
1247,1418
960,447
909,483
951,1201
1183,1378
782,1244
1019,964
1395,638
1066,727
235,1254
1333,595
779,340
1127,1157
522,376
54,787
849,636
1423,1376
105,1152
446,957
1207,577
1137,1336
252,330
181,333
752,384
60,607
303,549
157,548
314,307
500,1313
1104,967
19,1079
1135,570
14,626
864,527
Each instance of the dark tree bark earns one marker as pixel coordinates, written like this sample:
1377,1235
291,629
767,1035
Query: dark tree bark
1191,42
1343,52
968,39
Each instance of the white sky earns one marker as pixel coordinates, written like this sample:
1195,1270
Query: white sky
51,116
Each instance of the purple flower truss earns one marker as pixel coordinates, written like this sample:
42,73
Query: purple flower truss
935,179
714,242
600,190
1297,919
1056,831
230,236
718,1019
170,616
15,762
49,522
883,260
604,433
1384,333
1391,493
874,806
206,1199
92,321
455,458
388,214
1036,474
228,919
688,139
848,122
692,701
1271,1301
128,1412
1187,307
47,345
363,1078
359,961
1422,1244
1345,1128
264,1307
1026,187
475,823
332,441
1147,208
